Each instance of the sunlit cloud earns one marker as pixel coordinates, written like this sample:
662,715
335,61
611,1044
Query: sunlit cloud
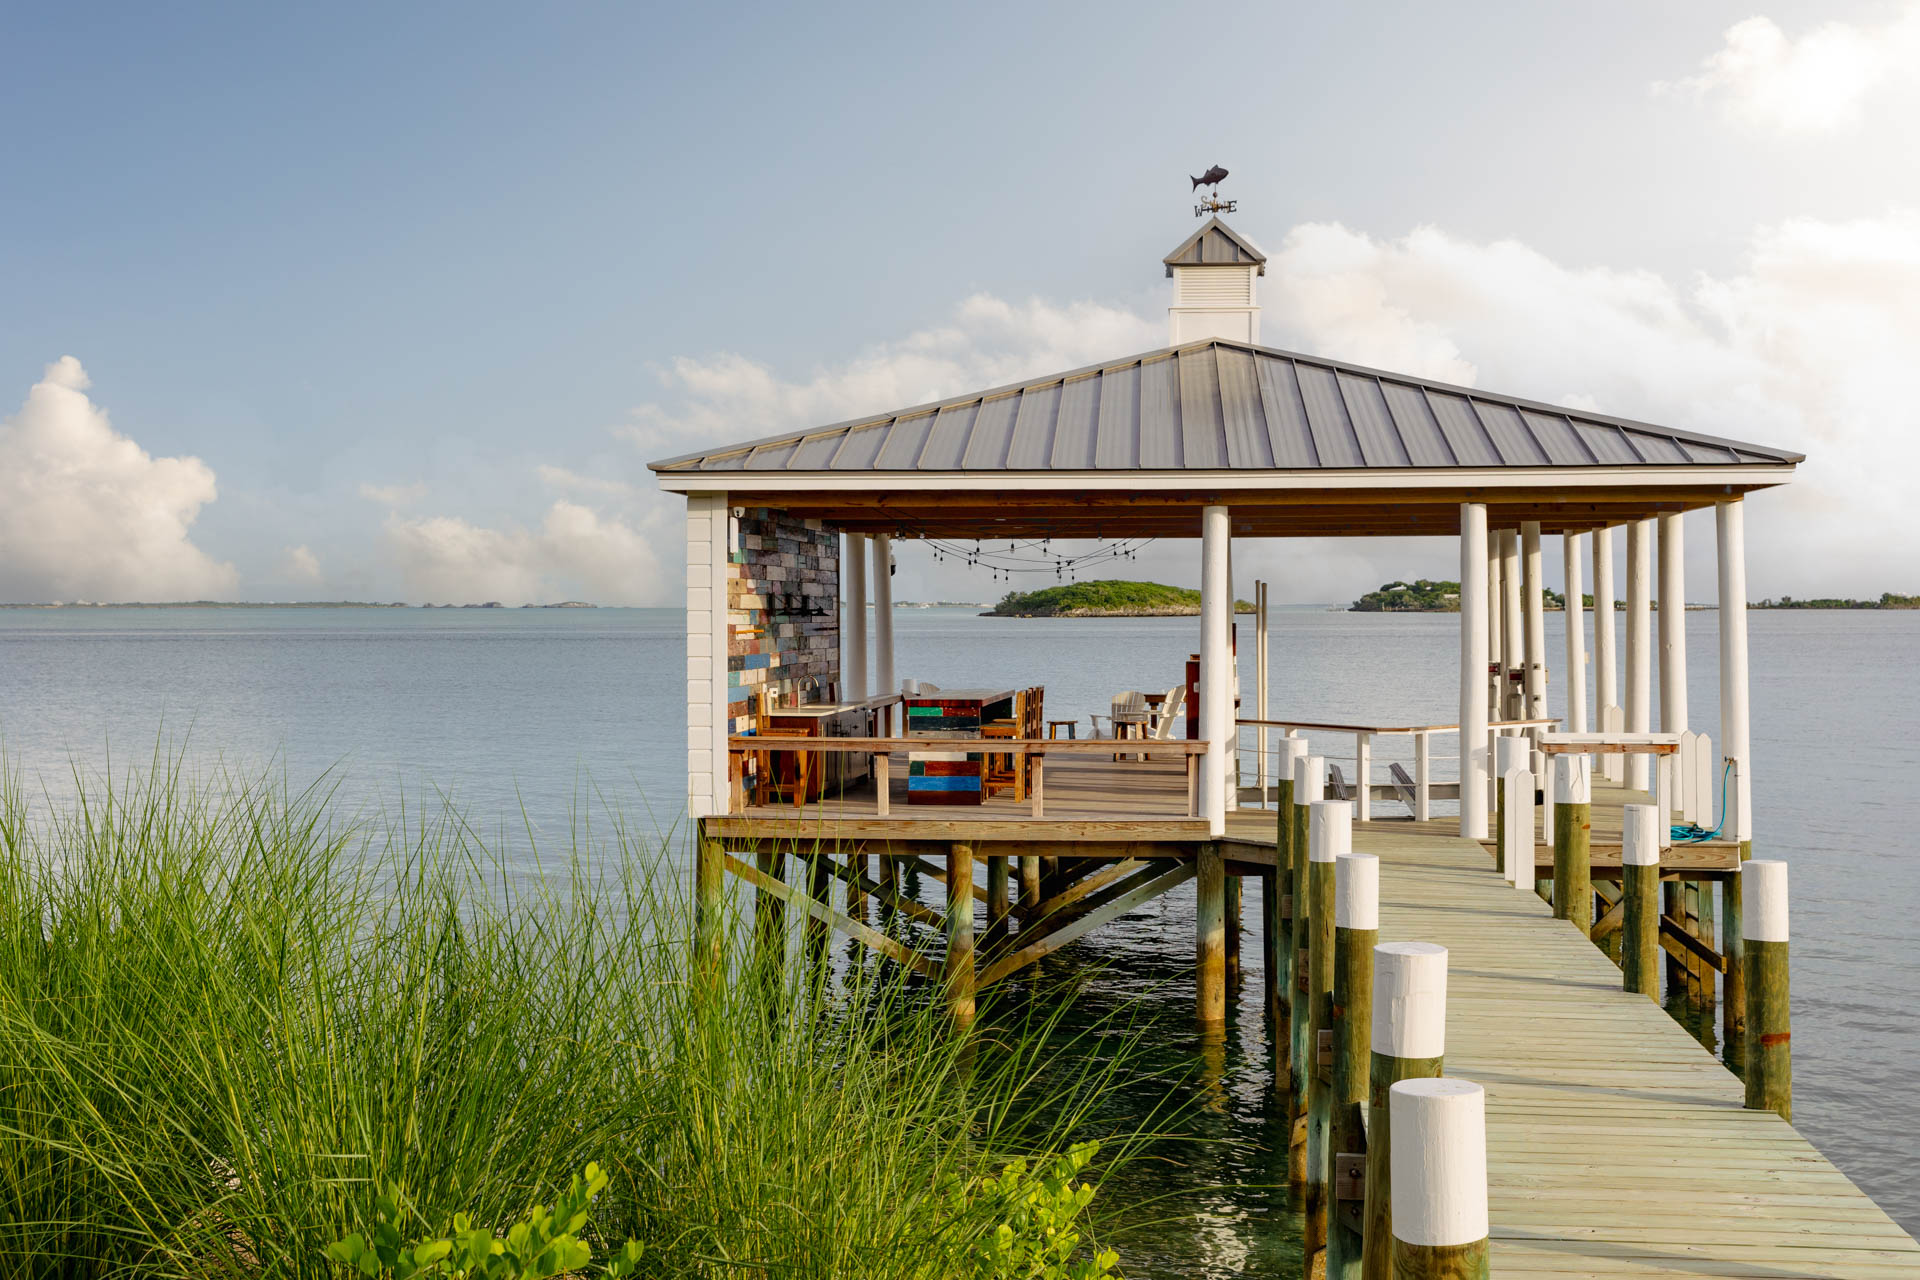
86,513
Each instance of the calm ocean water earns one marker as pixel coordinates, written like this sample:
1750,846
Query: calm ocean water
562,710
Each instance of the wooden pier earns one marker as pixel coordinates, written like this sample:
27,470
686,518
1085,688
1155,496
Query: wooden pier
1616,1144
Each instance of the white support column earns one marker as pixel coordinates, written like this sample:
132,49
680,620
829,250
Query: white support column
1606,692
1422,776
1673,625
1514,645
1575,680
853,637
709,786
883,615
1639,706
1263,709
1735,743
1496,631
1533,586
1473,670
1216,667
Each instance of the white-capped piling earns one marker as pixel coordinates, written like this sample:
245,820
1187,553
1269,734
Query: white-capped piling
1640,884
1439,1179
1763,891
1329,836
1509,753
1409,1039
1573,841
1356,931
1309,784
1516,793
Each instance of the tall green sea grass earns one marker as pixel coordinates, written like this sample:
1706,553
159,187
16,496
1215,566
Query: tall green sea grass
230,1015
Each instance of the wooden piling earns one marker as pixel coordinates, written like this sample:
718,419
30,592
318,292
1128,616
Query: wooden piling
1409,1043
1640,882
1330,834
1733,1003
1706,988
1769,1030
1309,781
770,914
1029,884
1292,752
1356,931
1270,954
709,911
998,909
1440,1180
1233,908
1572,842
1210,940
856,896
960,971
890,888
1509,753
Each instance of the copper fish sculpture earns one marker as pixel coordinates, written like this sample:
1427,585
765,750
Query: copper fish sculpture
1211,178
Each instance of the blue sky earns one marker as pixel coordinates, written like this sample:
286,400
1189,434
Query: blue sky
423,288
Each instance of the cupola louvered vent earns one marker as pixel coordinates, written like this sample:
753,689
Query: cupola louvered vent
1213,287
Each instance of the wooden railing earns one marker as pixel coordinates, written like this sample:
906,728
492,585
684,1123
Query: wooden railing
1422,786
1037,749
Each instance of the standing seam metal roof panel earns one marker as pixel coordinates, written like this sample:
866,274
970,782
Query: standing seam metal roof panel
1413,416
901,452
1247,444
1659,449
1119,441
1607,443
1076,425
1466,434
1288,431
1556,435
773,457
1510,436
1159,403
1203,432
861,447
1333,439
1032,442
815,453
946,447
992,428
1373,428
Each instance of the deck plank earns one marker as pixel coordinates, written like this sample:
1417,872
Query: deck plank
1616,1144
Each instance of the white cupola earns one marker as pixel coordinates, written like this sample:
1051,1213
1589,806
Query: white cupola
1213,273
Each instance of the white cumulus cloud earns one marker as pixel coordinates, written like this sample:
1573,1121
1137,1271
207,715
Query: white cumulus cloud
86,513
576,552
726,397
301,565
1815,83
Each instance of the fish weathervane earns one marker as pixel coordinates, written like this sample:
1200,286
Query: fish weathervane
1211,203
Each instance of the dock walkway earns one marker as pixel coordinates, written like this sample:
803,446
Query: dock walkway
1616,1144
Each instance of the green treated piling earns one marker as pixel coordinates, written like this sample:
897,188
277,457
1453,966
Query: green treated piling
1573,842
1356,931
1308,783
1769,1030
1640,884
1409,1043
1330,834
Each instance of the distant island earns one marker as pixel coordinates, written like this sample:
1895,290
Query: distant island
1428,596
1109,598
1887,600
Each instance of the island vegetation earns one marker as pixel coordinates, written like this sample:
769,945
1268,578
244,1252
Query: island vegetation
1107,598
1887,600
1428,596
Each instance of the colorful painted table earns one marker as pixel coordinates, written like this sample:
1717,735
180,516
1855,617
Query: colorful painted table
954,774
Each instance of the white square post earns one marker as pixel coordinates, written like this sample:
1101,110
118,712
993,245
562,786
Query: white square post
709,783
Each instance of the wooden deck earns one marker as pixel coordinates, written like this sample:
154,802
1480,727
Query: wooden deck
1616,1144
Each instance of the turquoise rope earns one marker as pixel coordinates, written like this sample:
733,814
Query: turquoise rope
1688,833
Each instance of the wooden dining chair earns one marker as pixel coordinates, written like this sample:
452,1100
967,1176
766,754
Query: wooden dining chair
799,785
